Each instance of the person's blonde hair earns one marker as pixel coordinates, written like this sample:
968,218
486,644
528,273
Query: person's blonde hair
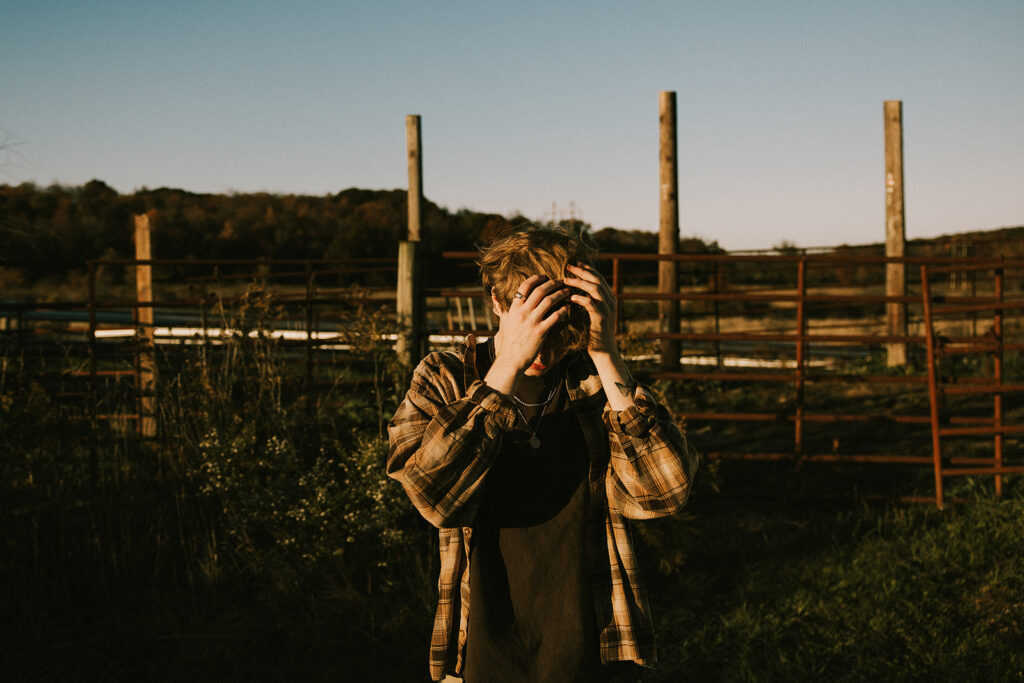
536,250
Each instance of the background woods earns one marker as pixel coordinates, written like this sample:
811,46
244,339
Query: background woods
51,232
47,231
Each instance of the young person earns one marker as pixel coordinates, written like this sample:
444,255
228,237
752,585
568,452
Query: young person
529,452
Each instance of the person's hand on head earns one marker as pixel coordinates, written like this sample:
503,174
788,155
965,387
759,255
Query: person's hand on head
596,298
538,305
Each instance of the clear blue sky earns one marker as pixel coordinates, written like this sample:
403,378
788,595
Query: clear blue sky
531,104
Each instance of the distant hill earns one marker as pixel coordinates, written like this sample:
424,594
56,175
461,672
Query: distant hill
1007,242
47,231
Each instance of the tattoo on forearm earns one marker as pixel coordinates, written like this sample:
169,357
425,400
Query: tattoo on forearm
628,388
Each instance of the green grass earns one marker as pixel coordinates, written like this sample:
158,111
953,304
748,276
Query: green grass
779,590
258,539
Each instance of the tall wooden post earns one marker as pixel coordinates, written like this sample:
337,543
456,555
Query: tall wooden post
668,235
895,232
145,367
412,142
409,304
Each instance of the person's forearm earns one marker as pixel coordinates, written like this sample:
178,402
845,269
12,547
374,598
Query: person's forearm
503,377
619,385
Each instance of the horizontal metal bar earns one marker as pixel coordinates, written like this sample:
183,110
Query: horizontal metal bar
825,457
810,338
957,300
972,461
236,262
291,273
807,417
725,376
738,417
876,459
953,263
991,430
973,471
974,308
873,379
788,377
965,350
713,455
976,263
753,298
959,389
969,420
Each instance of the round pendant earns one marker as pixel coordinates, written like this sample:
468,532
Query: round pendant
535,442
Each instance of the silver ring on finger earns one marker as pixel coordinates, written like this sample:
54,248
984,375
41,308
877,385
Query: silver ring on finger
518,295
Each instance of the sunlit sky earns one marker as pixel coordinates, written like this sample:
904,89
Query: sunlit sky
539,107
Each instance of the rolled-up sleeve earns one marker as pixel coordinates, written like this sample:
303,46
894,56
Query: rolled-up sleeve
443,441
652,464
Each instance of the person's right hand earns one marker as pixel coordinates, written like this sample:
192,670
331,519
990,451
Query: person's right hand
529,318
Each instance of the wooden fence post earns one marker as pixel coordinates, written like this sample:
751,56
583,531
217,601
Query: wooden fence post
409,304
94,453
145,366
997,376
895,232
801,350
412,141
668,235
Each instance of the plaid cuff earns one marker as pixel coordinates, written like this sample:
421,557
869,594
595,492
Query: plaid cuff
494,402
636,420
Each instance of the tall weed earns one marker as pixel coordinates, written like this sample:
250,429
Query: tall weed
262,493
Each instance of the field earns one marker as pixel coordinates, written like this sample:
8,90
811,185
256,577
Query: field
782,591
256,537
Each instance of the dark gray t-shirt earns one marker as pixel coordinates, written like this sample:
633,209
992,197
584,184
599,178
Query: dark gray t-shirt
531,615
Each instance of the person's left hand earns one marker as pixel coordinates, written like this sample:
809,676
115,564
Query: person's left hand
599,302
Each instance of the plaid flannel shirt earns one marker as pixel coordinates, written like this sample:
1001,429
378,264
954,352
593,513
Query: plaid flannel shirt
446,435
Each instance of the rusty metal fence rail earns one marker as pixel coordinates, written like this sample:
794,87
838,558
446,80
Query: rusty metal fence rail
991,387
807,348
753,324
103,349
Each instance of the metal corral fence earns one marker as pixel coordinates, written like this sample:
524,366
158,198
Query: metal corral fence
947,395
101,351
799,343
783,357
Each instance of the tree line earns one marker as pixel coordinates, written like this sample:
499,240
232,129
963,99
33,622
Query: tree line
47,231
53,231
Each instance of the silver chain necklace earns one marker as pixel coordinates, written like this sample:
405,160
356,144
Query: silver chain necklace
534,439
545,402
